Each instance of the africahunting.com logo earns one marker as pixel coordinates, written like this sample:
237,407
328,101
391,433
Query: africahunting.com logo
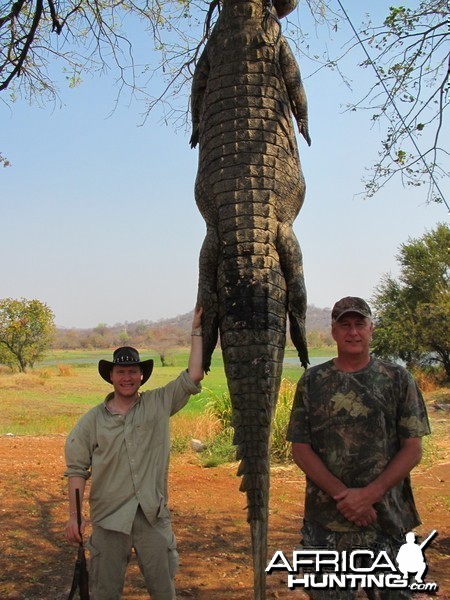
330,569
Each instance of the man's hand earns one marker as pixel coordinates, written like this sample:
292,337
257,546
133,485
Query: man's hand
197,320
355,504
72,533
195,365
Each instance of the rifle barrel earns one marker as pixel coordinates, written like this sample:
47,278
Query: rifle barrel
78,501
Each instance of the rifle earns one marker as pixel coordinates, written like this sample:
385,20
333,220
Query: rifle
80,575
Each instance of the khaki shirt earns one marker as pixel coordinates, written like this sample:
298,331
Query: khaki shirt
127,455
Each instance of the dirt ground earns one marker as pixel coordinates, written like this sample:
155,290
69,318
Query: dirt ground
209,519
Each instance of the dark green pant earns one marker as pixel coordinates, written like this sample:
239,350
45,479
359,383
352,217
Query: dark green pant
317,537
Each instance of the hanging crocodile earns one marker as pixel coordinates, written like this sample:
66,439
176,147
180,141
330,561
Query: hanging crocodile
249,189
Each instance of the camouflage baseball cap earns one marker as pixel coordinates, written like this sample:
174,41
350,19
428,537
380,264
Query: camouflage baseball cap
350,304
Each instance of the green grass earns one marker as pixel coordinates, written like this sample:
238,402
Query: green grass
65,384
52,396
221,448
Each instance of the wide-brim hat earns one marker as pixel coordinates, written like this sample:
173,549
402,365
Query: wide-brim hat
125,356
350,304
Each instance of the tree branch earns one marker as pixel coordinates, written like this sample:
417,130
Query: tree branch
16,71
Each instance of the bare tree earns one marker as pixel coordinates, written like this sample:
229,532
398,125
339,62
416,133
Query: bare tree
413,61
92,36
408,57
409,96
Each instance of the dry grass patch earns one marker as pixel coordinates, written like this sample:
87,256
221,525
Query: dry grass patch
65,371
22,381
185,427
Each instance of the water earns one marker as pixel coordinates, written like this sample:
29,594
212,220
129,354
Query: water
313,360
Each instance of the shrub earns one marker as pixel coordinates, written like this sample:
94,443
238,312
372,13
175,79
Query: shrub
44,373
429,378
219,408
220,449
179,443
65,370
281,448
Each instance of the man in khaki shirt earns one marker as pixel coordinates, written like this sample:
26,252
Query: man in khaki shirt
123,445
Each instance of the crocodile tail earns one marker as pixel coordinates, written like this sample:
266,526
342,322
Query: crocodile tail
253,382
254,375
259,550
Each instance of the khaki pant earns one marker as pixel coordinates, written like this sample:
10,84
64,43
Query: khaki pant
110,553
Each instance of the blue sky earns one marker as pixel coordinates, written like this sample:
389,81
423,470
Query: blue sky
99,219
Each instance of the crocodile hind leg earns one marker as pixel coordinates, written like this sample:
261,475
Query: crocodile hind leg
291,261
207,293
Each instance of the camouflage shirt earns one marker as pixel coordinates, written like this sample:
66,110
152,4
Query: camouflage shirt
354,422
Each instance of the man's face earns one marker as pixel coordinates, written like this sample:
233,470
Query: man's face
352,334
126,380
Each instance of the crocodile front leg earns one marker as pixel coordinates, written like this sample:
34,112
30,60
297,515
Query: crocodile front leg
207,293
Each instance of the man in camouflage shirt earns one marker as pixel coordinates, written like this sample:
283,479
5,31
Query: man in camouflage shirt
356,427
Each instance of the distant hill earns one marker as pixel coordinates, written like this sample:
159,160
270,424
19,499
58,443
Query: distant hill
172,332
316,319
